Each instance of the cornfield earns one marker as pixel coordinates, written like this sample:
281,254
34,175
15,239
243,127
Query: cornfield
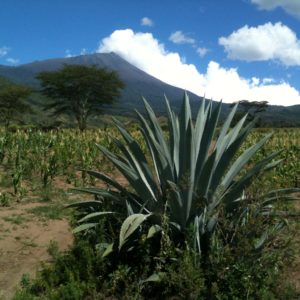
30,157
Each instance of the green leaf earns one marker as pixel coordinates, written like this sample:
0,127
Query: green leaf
153,230
129,226
108,250
243,160
84,204
95,215
84,227
155,277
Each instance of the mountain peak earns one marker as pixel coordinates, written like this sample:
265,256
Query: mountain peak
137,84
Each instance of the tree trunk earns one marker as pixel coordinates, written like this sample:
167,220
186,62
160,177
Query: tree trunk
7,120
82,122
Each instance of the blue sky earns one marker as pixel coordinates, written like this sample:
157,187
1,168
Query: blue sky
233,49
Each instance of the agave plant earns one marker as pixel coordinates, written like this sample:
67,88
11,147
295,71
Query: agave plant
187,176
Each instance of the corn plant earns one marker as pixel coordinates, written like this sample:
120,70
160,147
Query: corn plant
190,176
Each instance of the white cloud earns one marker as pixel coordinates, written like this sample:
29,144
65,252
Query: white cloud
265,42
68,54
147,22
83,51
12,61
268,80
178,37
148,54
229,85
291,7
145,52
3,51
202,51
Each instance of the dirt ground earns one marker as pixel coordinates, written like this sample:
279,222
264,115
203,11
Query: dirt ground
24,239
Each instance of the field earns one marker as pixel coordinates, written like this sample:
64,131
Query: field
39,169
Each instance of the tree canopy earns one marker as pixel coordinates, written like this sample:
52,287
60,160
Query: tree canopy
253,108
12,100
80,91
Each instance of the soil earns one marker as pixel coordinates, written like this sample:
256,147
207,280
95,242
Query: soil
24,239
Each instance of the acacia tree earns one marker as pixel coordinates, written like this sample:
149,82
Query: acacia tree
80,91
253,108
13,101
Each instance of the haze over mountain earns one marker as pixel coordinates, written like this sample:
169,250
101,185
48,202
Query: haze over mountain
137,82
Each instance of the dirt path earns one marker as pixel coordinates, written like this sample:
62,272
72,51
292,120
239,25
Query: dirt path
24,239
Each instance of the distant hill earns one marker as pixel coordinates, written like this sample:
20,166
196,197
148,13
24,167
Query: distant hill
138,83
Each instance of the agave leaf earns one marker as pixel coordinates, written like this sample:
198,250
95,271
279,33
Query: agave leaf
176,203
176,226
243,160
100,192
129,226
186,171
205,178
157,131
134,199
261,241
200,125
84,227
136,157
186,138
108,250
225,159
137,182
197,240
206,141
239,130
200,230
123,166
225,143
174,137
270,200
129,208
155,277
221,141
211,224
273,164
95,215
153,230
160,158
148,181
107,180
281,192
238,187
84,204
268,234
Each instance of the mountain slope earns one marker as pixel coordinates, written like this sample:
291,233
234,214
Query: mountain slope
138,84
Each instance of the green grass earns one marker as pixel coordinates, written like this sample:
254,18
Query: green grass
29,243
53,211
15,219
